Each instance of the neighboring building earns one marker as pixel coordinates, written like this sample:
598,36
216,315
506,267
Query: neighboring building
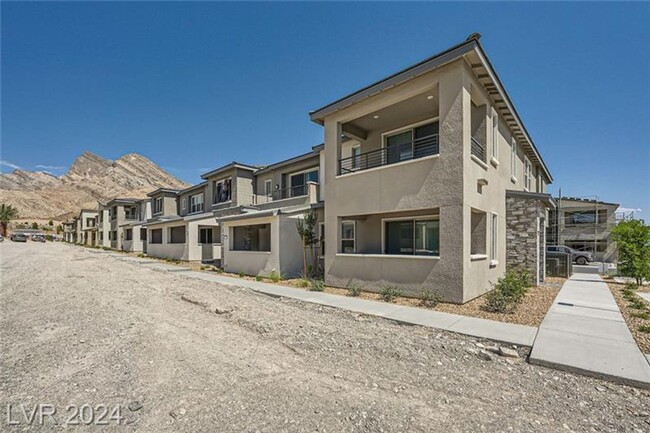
135,231
262,238
70,230
426,175
87,227
584,225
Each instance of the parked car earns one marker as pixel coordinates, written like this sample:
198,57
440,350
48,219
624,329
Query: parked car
579,257
19,237
38,238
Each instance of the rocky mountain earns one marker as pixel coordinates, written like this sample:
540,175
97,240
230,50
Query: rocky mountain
90,178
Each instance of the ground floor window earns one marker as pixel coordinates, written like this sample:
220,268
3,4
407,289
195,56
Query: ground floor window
177,235
420,237
348,237
114,235
143,234
494,238
252,238
128,234
478,226
205,236
156,236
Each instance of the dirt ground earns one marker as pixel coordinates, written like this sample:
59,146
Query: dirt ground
634,317
81,327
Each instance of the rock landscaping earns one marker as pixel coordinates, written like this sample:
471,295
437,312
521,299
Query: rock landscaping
635,310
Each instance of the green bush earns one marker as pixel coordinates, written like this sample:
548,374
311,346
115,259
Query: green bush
304,282
642,315
240,275
389,293
275,276
317,285
637,304
632,286
258,278
429,298
354,290
644,328
508,292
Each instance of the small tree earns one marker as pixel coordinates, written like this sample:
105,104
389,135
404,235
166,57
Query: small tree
306,230
50,223
7,213
35,225
633,240
59,229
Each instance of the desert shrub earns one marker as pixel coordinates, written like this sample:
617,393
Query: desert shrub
275,276
304,282
644,328
641,315
637,304
429,298
632,286
258,278
317,285
354,289
628,294
389,293
240,275
508,292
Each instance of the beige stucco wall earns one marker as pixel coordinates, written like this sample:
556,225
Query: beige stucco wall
280,176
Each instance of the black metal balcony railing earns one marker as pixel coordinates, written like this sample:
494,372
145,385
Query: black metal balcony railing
279,194
478,149
414,149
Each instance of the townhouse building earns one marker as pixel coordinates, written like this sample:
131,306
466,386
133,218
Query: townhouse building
86,227
70,230
432,181
426,179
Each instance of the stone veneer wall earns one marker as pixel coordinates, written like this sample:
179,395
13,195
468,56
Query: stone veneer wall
525,245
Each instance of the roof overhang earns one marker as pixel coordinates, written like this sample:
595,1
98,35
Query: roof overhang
228,167
546,199
484,72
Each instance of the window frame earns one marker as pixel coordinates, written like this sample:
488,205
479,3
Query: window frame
411,127
356,159
353,238
414,219
315,168
191,208
513,160
215,185
494,238
157,205
268,187
495,135
527,173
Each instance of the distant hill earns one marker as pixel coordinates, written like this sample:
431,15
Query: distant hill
89,179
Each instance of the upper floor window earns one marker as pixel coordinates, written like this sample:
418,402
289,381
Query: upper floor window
298,181
356,160
131,212
222,190
412,143
114,213
157,205
196,203
528,174
513,159
495,136
268,187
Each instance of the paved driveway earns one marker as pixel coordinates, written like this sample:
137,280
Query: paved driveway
78,327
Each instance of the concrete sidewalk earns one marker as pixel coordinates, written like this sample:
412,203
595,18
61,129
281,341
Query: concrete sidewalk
584,332
519,335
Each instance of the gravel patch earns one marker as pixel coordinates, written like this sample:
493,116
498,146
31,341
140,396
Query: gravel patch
186,355
634,318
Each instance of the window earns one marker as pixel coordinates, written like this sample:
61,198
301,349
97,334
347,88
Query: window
413,143
177,235
143,234
495,135
321,239
268,187
114,213
128,235
205,235
157,205
585,217
348,237
114,235
196,203
156,236
527,174
298,182
494,238
420,237
183,203
222,190
252,238
513,159
356,159
478,232
130,213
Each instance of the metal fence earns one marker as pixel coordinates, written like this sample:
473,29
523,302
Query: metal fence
559,264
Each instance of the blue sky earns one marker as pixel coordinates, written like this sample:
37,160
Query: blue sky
235,81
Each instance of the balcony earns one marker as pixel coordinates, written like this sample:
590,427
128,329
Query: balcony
478,149
392,154
295,195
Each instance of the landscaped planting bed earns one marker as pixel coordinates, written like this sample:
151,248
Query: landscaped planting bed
637,319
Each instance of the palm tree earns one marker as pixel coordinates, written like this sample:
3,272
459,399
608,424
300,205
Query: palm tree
7,213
